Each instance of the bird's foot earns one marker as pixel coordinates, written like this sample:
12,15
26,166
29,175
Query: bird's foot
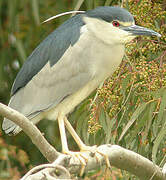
82,158
93,153
93,150
82,155
105,157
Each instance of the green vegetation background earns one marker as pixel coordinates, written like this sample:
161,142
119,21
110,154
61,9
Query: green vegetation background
128,110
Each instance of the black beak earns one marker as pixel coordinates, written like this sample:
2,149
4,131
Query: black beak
139,30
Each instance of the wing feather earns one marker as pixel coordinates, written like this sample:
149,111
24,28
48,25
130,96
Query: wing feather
51,49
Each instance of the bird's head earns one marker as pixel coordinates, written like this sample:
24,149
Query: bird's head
114,25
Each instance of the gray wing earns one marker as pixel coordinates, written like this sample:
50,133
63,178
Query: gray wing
52,72
51,49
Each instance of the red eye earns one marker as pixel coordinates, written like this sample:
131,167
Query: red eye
115,23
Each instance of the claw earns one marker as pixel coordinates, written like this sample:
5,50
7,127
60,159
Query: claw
83,160
106,158
92,150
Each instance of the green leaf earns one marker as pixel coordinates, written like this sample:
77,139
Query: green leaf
35,11
102,119
134,117
150,118
110,122
157,142
78,5
107,2
161,110
20,49
106,124
81,121
145,119
85,133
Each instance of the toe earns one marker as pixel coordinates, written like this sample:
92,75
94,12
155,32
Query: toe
106,158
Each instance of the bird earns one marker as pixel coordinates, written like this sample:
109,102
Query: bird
67,66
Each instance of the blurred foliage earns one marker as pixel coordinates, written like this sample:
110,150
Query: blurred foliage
129,109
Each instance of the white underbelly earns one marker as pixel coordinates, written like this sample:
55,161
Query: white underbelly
70,102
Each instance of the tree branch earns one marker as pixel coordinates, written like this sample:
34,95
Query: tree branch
39,172
118,156
31,130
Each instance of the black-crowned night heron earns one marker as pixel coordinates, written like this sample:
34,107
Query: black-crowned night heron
69,64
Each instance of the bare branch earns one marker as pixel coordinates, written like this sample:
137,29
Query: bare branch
39,171
31,130
118,156
49,171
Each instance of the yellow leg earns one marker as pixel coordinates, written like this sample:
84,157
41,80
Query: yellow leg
77,139
62,120
65,149
62,133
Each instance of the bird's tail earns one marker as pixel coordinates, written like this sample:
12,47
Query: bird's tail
10,127
16,103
